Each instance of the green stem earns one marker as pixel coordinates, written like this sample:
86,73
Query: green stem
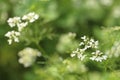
41,49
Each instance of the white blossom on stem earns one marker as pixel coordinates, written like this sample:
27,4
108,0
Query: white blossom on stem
28,56
22,25
31,17
13,36
13,21
89,43
98,56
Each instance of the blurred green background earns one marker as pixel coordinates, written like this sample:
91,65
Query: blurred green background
94,18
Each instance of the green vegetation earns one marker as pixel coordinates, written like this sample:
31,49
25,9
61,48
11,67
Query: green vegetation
45,39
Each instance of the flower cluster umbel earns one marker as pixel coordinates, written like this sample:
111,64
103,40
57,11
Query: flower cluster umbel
86,44
21,23
28,56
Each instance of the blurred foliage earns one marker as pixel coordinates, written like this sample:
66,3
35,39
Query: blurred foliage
95,18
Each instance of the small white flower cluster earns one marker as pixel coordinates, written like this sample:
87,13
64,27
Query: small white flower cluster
31,17
21,23
89,44
79,53
13,36
28,56
14,21
114,51
98,56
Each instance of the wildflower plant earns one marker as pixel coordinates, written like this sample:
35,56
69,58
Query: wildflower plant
24,30
60,21
20,23
86,44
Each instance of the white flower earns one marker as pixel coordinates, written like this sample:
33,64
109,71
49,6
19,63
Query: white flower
28,56
86,44
13,36
16,39
96,44
93,58
16,21
9,41
98,56
81,56
26,61
76,51
104,57
31,17
29,51
82,50
22,25
73,54
99,59
79,53
92,40
82,43
93,44
84,38
97,53
13,21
